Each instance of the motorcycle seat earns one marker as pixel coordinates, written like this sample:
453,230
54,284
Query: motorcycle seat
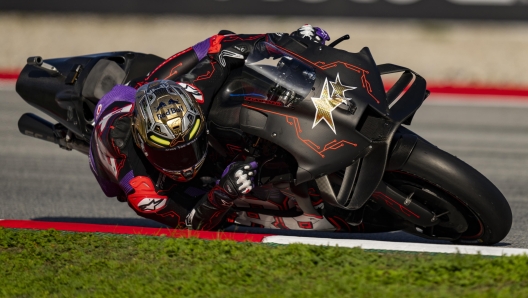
102,78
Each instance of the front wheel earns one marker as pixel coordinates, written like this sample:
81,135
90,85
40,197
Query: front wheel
470,208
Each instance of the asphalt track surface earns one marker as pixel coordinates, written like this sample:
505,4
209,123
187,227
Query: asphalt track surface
40,181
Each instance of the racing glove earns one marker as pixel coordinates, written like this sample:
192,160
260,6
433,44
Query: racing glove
237,178
314,34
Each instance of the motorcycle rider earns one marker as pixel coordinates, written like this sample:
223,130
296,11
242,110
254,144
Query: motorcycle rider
160,131
133,150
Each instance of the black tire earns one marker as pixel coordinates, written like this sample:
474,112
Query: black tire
485,209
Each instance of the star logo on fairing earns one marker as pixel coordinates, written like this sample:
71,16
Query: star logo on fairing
339,89
326,103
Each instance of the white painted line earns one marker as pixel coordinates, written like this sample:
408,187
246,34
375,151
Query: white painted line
400,246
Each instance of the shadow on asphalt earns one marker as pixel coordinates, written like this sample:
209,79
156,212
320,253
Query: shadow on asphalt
141,222
397,236
138,222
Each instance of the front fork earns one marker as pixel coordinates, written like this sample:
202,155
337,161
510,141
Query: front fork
394,200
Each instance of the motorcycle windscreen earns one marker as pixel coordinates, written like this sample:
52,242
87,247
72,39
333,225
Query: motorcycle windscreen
273,75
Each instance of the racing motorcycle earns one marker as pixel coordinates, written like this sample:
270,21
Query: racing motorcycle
328,136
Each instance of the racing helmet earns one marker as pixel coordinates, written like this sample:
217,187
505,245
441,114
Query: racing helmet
170,129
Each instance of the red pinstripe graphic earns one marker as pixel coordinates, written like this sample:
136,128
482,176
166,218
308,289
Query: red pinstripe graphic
253,206
279,223
170,213
315,203
280,206
163,191
207,75
291,195
294,121
233,149
481,230
253,215
361,227
305,225
209,225
285,202
230,38
335,224
313,215
390,202
174,215
344,222
167,61
174,71
323,65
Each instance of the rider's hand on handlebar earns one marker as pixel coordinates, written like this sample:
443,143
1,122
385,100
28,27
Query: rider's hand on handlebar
237,178
314,34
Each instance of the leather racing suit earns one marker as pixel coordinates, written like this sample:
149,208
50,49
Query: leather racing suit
201,70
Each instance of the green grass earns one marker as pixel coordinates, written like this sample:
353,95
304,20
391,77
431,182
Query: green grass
59,264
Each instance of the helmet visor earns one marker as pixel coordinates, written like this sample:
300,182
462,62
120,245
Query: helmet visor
180,157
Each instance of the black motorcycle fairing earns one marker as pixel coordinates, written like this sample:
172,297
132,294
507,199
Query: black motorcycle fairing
318,148
364,132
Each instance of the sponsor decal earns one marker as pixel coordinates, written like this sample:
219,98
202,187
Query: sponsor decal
169,112
173,102
148,204
98,111
265,101
327,102
242,49
226,53
305,225
160,106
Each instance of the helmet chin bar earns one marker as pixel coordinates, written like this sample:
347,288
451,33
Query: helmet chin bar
184,175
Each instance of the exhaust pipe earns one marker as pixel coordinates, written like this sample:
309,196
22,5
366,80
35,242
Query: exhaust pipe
34,126
37,61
